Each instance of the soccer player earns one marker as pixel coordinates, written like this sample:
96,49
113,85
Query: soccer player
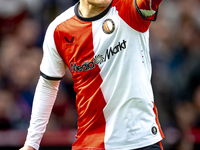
105,45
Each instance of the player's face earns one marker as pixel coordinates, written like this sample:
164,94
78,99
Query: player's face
100,3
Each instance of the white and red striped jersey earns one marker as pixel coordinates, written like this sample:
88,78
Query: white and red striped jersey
108,56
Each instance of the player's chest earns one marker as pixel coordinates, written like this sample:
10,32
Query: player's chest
88,44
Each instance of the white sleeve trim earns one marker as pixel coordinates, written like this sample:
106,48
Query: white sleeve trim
45,95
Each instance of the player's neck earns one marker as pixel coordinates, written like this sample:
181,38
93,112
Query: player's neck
90,10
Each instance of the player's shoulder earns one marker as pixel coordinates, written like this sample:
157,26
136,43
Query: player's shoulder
115,2
121,2
123,6
66,15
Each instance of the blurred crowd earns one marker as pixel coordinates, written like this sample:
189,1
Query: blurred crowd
175,53
23,24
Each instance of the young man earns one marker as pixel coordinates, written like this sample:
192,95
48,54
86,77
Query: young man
105,44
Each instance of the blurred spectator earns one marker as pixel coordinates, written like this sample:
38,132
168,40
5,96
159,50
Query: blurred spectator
22,30
6,107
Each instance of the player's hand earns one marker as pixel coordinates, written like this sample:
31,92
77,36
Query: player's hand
26,148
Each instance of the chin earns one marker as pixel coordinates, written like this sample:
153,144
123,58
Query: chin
100,3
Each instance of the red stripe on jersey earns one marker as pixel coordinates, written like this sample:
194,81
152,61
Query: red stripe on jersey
74,42
157,122
160,143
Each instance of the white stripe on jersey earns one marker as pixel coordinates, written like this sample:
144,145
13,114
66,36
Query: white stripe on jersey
126,86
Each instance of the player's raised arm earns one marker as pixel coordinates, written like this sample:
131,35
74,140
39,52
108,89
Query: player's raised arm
147,8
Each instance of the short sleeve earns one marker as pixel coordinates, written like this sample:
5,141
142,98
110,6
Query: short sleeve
52,66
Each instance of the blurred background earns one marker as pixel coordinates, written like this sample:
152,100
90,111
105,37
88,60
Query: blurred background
175,53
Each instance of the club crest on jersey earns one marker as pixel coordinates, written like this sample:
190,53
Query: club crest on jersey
154,130
108,26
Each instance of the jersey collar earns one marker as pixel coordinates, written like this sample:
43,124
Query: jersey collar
91,18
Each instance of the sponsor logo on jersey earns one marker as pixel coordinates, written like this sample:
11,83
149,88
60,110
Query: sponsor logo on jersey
108,26
99,59
84,67
114,50
69,42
